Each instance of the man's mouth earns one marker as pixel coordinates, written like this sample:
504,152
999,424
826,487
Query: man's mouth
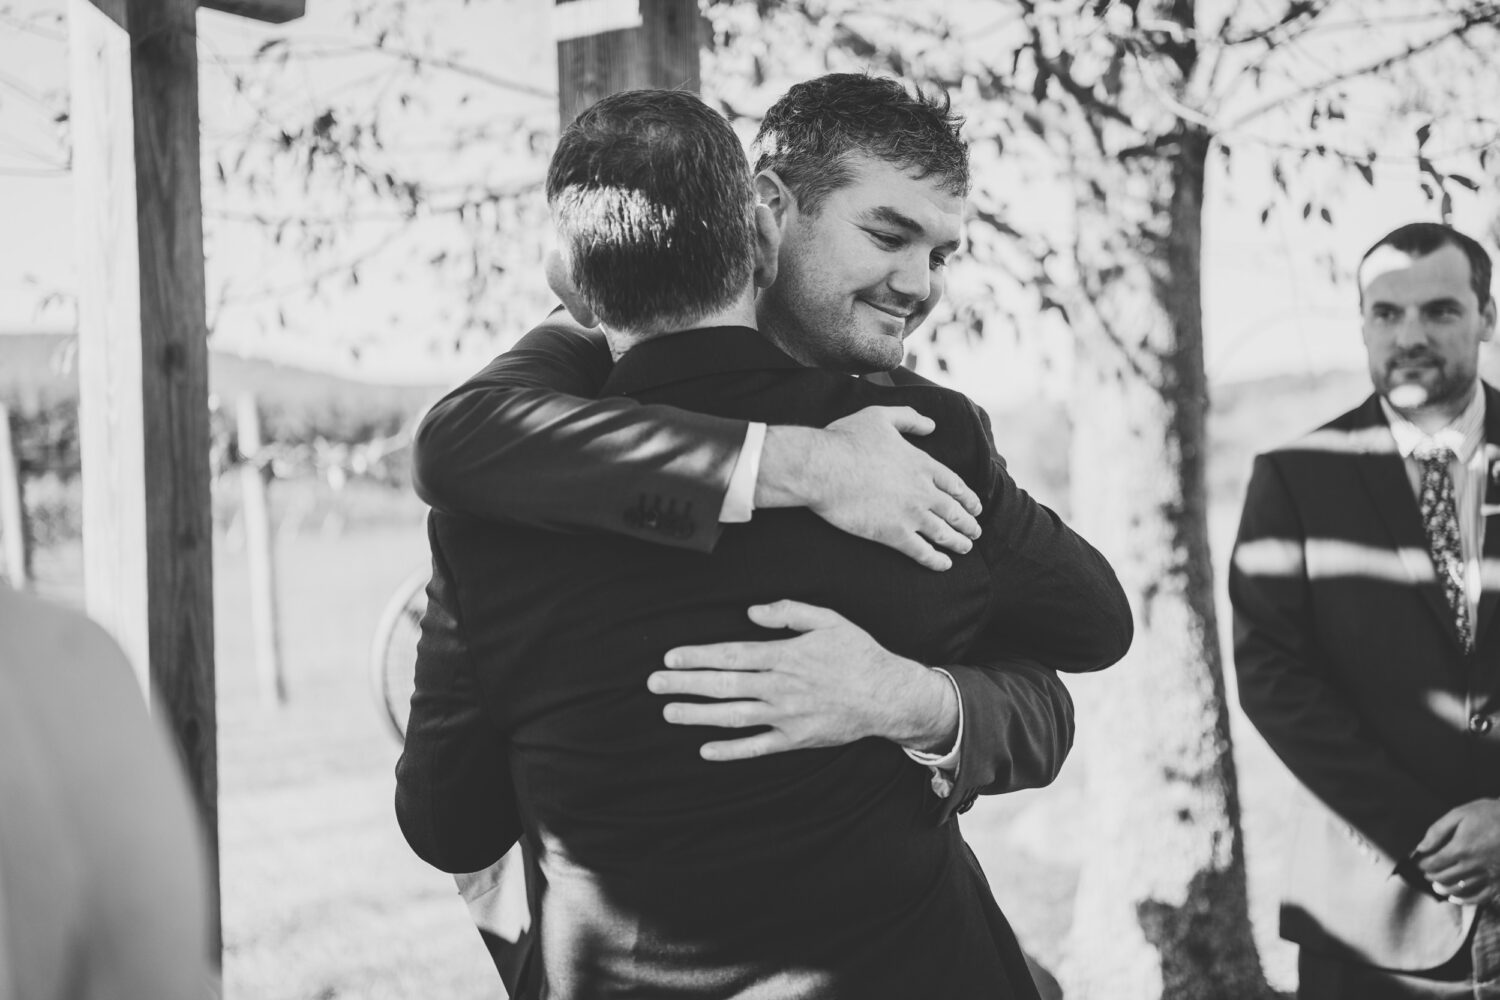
895,312
1412,366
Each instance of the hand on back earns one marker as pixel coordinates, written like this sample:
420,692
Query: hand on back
862,476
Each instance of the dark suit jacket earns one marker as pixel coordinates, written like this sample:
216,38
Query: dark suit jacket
671,466
823,873
1350,666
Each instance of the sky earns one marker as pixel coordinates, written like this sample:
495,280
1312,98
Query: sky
1271,306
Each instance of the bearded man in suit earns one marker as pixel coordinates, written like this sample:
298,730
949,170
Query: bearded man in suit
764,865
1364,584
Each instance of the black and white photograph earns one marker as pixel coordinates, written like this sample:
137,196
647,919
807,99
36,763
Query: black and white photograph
749,500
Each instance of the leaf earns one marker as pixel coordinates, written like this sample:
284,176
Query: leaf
1367,172
1307,210
1326,215
268,45
1463,181
1265,214
1422,134
1446,208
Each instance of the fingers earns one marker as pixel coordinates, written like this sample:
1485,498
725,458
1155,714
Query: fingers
1462,891
1439,833
707,683
759,745
952,484
904,419
953,512
724,714
721,656
918,549
1444,860
938,532
796,616
1454,873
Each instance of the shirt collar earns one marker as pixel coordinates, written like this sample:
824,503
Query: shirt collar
1463,435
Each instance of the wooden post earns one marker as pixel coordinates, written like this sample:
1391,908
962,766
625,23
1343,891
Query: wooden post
143,363
606,46
13,535
143,358
260,555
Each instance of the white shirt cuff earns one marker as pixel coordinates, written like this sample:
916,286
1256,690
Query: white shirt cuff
945,765
739,500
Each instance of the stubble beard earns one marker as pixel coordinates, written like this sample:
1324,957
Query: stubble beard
1446,389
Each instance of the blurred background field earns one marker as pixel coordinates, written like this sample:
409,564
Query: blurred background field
322,898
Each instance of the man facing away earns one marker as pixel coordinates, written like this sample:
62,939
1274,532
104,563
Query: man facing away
663,865
1364,584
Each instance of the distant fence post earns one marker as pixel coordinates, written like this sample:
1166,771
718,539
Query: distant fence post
255,474
13,534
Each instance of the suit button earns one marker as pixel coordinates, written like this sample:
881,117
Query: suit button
1479,723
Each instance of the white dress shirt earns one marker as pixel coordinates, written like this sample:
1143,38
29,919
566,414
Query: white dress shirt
1464,436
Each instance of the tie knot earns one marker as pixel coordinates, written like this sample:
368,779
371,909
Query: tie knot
1435,455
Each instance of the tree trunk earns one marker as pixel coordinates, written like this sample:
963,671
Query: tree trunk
1161,909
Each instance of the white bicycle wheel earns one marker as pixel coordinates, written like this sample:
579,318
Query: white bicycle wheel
393,656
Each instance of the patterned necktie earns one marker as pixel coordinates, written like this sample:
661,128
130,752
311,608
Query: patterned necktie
1440,518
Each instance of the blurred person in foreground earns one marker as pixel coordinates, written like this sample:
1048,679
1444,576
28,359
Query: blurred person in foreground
779,863
1364,585
103,892
865,182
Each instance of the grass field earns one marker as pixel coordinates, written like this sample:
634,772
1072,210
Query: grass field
321,897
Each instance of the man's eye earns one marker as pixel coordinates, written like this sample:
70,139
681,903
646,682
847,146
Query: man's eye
886,240
1447,311
937,260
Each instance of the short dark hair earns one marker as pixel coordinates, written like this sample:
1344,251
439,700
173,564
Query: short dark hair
1418,239
809,136
651,196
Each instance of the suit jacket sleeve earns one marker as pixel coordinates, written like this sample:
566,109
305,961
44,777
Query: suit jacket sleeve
1056,605
524,442
1286,688
455,800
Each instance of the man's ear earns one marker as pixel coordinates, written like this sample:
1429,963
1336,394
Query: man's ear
560,280
772,192
1487,317
767,246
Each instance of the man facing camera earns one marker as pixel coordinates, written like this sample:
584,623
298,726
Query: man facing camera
661,864
1364,587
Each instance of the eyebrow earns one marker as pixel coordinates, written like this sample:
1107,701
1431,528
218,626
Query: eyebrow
1442,300
891,217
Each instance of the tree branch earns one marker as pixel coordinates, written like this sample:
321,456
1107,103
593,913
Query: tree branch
1484,14
1085,96
411,56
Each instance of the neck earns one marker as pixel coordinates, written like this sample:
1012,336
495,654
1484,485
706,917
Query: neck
780,330
741,312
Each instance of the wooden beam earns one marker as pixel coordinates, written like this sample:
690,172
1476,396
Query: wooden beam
143,362
606,46
274,11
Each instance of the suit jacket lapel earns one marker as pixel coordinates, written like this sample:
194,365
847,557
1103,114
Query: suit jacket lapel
1489,567
1384,476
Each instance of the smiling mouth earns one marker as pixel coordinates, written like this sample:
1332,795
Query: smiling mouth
898,314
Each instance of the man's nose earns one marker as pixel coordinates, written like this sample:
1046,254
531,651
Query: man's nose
912,278
1409,330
